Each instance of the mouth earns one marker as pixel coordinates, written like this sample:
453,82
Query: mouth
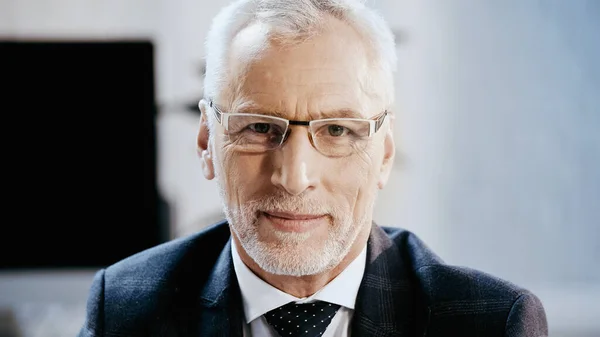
294,222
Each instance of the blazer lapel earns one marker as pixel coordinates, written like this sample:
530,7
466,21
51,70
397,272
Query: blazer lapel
386,303
221,311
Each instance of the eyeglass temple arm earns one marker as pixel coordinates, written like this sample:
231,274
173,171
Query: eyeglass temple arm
218,113
379,122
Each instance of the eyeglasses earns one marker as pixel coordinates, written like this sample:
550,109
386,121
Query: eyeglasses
332,137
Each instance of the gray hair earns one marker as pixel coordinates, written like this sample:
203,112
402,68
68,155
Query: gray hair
297,19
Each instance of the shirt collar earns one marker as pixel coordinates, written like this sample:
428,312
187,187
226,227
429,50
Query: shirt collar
259,297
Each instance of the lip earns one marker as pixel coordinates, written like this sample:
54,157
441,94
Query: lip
294,222
293,216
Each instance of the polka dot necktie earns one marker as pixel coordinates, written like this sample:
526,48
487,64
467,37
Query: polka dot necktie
306,320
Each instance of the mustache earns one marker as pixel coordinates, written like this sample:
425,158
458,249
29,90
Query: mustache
292,204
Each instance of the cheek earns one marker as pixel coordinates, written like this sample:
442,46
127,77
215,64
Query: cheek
227,174
360,169
348,178
241,176
355,180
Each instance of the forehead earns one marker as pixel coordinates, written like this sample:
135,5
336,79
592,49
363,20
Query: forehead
322,75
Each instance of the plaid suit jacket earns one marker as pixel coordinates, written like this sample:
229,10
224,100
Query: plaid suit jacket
187,287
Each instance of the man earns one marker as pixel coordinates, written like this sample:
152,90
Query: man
296,131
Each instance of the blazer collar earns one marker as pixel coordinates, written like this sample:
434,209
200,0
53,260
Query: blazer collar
221,298
387,302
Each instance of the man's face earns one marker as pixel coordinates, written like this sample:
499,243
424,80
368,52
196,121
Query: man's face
294,210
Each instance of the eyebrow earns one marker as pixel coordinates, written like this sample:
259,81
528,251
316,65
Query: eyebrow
254,109
343,113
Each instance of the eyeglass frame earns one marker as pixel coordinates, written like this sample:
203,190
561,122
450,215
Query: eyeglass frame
375,122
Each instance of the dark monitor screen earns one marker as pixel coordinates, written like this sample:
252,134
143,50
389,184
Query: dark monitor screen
80,186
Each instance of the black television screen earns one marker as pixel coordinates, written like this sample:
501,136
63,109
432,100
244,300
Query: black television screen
80,153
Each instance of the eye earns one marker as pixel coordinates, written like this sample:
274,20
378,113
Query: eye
337,130
260,127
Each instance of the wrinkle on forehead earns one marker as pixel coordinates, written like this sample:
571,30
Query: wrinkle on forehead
330,71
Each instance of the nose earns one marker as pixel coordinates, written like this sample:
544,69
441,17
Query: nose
296,163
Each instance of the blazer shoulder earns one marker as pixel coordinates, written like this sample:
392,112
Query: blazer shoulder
147,285
465,301
444,285
452,292
442,281
160,263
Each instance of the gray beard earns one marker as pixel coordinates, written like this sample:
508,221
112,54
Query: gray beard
292,254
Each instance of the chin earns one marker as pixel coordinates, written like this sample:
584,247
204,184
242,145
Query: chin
298,258
288,239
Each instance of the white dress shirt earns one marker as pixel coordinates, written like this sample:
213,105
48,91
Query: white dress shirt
259,297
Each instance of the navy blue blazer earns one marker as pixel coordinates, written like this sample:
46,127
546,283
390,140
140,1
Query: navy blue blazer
187,287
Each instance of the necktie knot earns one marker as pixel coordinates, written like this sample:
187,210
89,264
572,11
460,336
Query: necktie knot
306,319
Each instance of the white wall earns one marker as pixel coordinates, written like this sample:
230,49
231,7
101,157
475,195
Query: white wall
74,19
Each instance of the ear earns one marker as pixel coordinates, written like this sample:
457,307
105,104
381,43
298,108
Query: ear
388,157
203,148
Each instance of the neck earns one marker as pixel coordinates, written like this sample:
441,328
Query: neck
304,286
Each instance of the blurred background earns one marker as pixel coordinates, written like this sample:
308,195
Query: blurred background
498,106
